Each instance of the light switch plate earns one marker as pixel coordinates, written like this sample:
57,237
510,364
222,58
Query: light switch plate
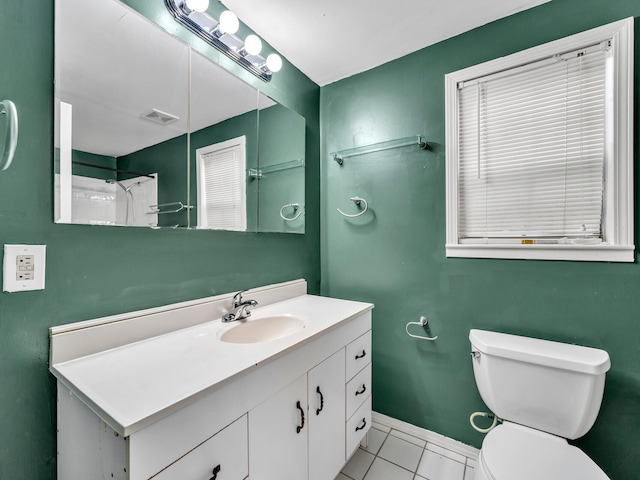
17,279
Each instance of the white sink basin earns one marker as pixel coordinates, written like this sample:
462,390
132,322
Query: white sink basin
259,329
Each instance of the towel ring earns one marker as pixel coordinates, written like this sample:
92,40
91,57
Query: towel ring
423,322
295,207
8,108
357,201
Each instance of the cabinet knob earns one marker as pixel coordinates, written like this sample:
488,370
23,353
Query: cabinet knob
301,426
364,389
364,424
363,354
215,472
318,410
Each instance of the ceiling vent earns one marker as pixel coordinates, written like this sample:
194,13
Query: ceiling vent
159,117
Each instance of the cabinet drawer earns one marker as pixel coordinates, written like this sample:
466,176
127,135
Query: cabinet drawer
358,354
358,425
225,452
358,389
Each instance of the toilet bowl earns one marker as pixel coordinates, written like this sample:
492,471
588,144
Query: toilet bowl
545,392
511,451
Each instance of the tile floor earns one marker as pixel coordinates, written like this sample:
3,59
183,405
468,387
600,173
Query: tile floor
395,455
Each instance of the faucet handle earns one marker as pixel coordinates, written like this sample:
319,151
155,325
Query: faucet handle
237,298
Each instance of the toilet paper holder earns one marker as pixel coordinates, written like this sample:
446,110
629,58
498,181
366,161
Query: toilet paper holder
423,322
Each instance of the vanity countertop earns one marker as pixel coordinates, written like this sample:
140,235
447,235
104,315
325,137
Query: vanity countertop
129,385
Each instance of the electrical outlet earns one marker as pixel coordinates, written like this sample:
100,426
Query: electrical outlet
23,267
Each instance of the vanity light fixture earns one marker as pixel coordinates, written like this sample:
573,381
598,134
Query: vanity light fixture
253,45
221,35
274,62
197,5
228,23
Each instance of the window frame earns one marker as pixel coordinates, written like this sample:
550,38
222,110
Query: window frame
239,144
618,223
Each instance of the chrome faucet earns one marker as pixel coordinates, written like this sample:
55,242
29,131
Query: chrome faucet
240,308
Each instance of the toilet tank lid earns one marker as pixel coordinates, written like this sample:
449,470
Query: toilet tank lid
541,352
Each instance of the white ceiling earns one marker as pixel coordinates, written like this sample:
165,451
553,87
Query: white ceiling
329,40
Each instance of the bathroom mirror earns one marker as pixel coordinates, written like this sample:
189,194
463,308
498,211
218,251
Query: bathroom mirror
121,110
142,119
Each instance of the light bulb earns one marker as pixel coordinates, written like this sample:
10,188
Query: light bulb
228,22
197,5
253,45
274,62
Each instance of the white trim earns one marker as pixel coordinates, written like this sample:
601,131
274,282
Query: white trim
585,253
426,435
623,141
239,143
66,148
620,243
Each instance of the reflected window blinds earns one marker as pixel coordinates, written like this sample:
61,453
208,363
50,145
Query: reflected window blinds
224,181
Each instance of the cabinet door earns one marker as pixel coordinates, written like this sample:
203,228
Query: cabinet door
223,456
326,418
278,435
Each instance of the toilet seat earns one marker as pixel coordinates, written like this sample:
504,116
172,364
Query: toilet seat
512,451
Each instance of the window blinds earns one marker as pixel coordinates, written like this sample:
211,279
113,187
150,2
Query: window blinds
223,177
531,149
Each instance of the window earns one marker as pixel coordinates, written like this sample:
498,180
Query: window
222,192
539,151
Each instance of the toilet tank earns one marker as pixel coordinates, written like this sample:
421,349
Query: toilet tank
549,386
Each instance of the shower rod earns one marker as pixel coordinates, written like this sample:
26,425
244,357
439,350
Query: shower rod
117,170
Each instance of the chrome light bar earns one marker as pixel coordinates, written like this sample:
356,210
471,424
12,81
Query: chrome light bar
192,15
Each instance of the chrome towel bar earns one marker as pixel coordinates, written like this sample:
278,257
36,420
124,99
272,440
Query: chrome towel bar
423,322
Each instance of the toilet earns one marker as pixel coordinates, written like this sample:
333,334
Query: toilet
545,392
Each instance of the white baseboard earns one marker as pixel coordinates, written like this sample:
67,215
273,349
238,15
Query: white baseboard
427,435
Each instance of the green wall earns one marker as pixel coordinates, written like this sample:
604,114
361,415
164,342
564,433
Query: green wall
394,256
96,271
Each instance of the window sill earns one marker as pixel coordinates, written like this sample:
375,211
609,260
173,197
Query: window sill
584,253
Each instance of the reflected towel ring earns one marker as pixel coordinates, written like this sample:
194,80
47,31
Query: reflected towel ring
158,209
8,149
295,207
357,201
423,323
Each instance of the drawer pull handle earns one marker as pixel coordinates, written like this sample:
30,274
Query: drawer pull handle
318,410
364,424
363,354
215,472
364,389
300,427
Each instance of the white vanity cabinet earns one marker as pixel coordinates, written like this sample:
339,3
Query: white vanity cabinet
358,391
184,405
300,429
223,457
